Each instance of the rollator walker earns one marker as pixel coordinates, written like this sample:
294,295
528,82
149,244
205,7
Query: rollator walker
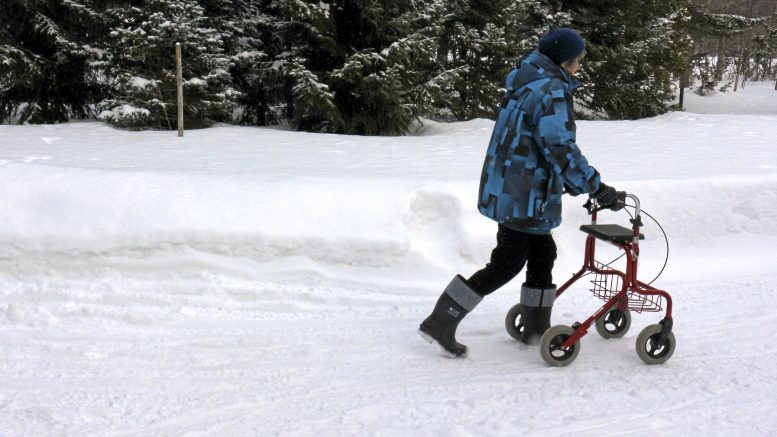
622,292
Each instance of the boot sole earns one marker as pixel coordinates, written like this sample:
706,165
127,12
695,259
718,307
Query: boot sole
429,339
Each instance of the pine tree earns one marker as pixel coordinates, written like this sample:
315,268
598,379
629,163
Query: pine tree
279,69
472,43
371,86
248,31
143,66
49,60
353,66
633,49
528,20
411,62
729,39
477,45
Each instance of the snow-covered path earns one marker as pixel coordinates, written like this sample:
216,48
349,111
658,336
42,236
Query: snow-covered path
263,282
219,356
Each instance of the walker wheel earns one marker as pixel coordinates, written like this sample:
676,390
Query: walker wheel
550,346
513,322
648,349
614,323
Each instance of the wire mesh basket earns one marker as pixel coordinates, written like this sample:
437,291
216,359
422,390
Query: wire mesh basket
606,285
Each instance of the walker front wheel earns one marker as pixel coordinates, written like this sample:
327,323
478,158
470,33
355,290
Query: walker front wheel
614,323
513,322
648,348
550,346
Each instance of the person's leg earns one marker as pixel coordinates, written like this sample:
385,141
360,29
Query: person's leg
538,292
507,260
462,295
540,259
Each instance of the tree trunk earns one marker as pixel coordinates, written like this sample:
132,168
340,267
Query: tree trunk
742,49
746,47
738,65
685,78
720,63
179,87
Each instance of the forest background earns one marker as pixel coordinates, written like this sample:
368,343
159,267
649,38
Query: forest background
368,67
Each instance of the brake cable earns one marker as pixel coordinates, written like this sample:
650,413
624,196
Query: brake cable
666,240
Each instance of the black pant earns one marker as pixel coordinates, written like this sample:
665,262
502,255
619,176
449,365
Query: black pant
513,250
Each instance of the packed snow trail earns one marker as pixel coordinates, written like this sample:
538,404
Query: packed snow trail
220,356
247,281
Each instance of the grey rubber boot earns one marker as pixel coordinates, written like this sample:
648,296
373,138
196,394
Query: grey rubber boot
536,306
457,301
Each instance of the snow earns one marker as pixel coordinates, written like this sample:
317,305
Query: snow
196,81
124,110
259,281
140,82
754,98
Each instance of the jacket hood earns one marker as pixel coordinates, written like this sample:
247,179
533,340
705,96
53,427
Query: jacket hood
535,66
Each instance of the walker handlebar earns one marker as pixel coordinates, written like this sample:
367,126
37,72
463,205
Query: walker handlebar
620,202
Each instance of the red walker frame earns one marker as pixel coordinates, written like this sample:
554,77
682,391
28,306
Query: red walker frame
634,295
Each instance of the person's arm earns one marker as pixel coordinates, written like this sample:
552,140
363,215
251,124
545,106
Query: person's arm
555,137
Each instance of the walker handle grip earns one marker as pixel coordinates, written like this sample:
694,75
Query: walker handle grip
620,203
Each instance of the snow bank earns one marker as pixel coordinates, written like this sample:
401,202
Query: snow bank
265,194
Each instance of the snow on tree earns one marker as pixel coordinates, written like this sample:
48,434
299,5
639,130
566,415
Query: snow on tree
719,43
477,45
369,84
142,69
347,66
356,67
633,50
49,53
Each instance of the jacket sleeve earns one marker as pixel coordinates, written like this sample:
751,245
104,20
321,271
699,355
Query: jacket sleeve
555,136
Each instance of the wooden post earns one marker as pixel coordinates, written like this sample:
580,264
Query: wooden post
179,81
685,78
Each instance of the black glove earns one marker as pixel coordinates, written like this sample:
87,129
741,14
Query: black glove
606,196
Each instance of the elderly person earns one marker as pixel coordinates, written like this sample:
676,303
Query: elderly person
532,159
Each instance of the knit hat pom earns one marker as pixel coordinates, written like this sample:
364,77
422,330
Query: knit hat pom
562,45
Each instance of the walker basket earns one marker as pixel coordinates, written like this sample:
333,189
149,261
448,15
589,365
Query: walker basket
608,284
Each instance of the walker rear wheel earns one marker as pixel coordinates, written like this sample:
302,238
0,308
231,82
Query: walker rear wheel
550,346
614,323
648,348
513,322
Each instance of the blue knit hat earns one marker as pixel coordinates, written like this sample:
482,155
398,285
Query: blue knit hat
561,45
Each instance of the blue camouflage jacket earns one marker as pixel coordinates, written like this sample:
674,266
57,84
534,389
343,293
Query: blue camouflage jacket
532,155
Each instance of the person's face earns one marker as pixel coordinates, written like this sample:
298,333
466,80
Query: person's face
574,65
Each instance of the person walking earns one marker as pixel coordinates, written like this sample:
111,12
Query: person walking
532,159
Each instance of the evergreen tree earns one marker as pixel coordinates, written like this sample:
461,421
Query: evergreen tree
380,88
143,66
477,45
472,42
349,66
528,20
722,37
50,54
288,79
254,45
412,62
633,49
